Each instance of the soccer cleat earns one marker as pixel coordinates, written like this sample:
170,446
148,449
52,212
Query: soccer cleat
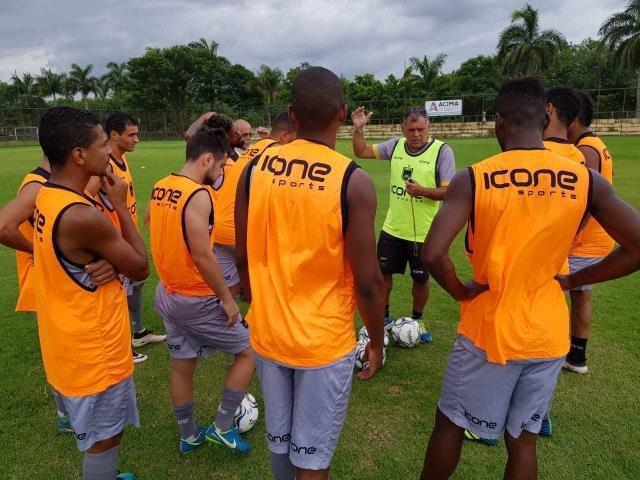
425,337
546,429
580,368
139,357
125,476
489,442
187,446
64,425
145,337
230,439
388,322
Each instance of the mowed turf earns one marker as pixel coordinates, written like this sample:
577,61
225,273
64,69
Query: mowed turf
596,417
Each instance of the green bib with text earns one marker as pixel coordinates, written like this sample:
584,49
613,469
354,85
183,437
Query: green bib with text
422,168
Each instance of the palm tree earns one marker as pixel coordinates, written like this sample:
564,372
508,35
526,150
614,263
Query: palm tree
25,85
427,70
203,43
269,82
523,48
621,32
117,75
50,83
81,79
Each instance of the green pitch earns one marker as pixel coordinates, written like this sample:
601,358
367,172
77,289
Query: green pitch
596,417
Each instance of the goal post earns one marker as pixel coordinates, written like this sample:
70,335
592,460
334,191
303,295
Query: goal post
24,134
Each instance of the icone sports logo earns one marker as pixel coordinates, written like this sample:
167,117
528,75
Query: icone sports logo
540,182
480,422
169,194
299,169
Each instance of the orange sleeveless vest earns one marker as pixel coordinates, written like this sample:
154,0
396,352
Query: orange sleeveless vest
124,172
84,330
303,302
528,206
169,198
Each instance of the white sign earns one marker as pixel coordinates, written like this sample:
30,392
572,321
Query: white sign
443,108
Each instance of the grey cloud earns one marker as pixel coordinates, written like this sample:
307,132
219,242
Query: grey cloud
352,37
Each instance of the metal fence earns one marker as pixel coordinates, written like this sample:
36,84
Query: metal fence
613,103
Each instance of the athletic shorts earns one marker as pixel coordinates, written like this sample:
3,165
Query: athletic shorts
197,326
487,398
128,284
226,256
102,415
394,253
578,263
305,409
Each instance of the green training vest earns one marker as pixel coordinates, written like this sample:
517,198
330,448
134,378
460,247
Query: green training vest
423,167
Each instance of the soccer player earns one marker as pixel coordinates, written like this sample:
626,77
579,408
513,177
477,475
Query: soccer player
16,231
421,169
122,130
282,132
244,130
562,108
198,310
85,336
522,207
305,247
593,242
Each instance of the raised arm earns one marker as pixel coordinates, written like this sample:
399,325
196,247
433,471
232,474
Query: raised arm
360,147
196,221
195,126
447,223
360,242
14,214
622,222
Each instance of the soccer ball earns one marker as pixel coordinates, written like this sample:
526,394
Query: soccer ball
359,354
406,332
364,335
246,414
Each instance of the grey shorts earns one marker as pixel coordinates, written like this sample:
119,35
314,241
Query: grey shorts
578,263
305,409
226,256
128,284
197,326
487,398
102,415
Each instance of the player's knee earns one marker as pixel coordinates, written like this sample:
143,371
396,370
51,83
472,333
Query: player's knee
106,444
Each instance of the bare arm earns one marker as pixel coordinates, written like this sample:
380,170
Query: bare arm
360,147
448,222
195,126
591,157
240,217
14,214
622,222
360,243
146,219
196,220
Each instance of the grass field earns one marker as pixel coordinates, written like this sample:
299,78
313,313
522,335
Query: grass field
596,417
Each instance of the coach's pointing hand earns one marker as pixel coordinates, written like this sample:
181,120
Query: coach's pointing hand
115,188
359,119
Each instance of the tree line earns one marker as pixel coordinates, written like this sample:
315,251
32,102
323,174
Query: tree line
194,77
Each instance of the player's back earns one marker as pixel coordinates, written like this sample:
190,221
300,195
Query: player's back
564,148
169,199
302,287
528,206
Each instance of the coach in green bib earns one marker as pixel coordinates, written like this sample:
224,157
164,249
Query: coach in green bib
421,169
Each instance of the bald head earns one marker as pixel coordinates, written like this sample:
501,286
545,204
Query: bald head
244,130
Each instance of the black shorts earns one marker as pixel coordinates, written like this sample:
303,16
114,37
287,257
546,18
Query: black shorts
394,253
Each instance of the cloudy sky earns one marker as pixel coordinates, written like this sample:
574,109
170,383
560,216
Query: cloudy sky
348,36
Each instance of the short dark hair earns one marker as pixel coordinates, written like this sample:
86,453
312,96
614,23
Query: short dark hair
281,123
118,122
415,112
207,140
64,128
521,102
585,112
316,97
566,102
220,120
